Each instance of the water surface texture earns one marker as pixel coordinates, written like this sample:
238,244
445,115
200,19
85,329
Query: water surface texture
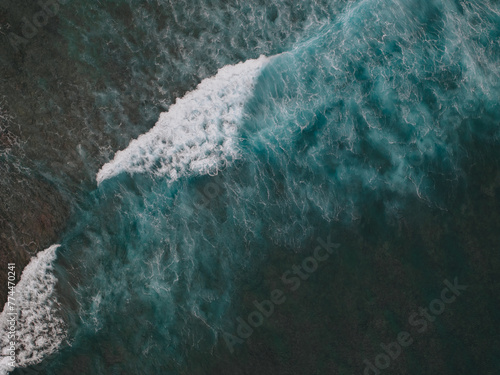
230,139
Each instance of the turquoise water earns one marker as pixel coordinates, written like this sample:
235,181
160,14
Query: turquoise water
368,117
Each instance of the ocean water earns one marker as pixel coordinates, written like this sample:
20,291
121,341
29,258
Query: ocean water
247,132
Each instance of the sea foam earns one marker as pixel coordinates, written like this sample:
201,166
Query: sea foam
39,327
198,133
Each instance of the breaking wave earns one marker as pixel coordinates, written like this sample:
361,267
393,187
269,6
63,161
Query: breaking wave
197,134
39,327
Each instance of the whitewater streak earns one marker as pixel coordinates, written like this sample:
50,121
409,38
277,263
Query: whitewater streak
197,134
39,328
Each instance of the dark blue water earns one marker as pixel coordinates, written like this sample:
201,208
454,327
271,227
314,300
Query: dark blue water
365,118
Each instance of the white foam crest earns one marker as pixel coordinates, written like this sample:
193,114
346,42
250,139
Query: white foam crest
39,328
197,134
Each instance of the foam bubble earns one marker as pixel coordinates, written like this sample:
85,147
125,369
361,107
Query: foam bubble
39,330
197,134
